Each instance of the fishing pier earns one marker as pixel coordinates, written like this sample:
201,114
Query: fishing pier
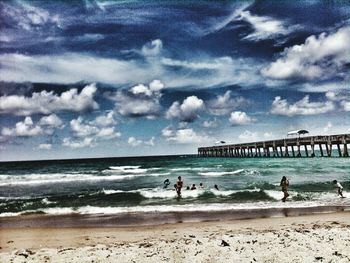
308,146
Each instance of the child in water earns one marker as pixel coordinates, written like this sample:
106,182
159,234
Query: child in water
339,188
284,184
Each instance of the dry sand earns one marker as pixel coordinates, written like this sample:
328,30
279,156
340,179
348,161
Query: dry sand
312,238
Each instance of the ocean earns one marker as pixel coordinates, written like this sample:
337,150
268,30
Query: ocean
135,185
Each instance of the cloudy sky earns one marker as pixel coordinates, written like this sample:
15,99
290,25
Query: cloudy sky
122,78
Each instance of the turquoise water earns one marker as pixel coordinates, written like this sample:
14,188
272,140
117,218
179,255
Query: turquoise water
119,185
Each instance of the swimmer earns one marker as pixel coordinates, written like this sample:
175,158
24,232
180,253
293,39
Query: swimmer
166,183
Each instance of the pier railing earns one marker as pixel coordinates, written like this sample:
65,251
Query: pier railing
287,147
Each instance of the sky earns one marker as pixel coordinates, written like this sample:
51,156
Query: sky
85,79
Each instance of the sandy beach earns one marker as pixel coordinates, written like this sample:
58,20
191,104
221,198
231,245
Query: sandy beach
309,238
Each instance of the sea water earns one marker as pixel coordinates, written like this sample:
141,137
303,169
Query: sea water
123,185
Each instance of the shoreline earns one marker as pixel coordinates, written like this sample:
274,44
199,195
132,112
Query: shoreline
308,238
159,218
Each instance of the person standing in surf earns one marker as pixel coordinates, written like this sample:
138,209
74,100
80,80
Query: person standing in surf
179,185
284,184
339,188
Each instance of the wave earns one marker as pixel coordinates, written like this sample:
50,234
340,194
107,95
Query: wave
158,197
190,169
150,193
46,201
130,169
213,207
110,192
66,178
124,167
222,173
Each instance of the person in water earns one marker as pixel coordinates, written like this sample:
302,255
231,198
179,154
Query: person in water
284,184
339,188
179,185
193,187
201,186
166,183
216,187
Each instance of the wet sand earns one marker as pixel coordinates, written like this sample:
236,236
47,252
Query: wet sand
308,238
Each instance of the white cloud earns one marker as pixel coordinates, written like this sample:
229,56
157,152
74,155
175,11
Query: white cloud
48,102
345,105
152,48
70,68
185,136
45,146
108,133
140,100
150,142
211,71
23,129
45,126
81,128
52,121
210,123
265,27
141,89
105,120
88,134
224,104
220,23
328,127
342,97
199,65
137,142
302,107
168,132
240,118
86,142
268,135
134,142
248,136
28,17
187,111
331,95
333,86
156,85
319,57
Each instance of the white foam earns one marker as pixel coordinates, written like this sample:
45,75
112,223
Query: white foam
234,207
125,167
46,201
59,210
170,193
130,169
222,173
9,214
110,192
277,195
64,178
181,169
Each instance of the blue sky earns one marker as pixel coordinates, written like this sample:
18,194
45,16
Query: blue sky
123,78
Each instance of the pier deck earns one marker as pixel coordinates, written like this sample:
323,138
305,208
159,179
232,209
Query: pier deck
288,147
